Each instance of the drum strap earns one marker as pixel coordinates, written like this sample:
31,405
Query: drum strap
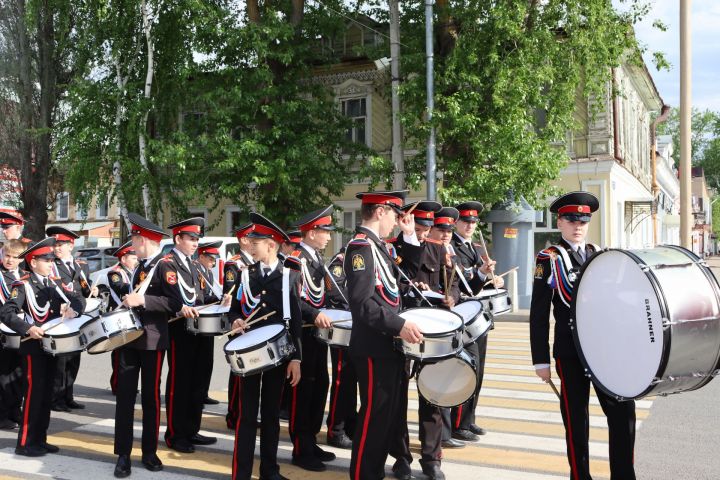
385,282
125,278
248,303
38,313
561,277
313,294
286,296
461,276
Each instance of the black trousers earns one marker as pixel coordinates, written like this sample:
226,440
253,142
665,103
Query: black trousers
233,404
260,391
400,441
184,387
114,360
11,384
205,345
380,381
575,394
207,357
131,364
307,401
342,414
464,415
68,366
38,372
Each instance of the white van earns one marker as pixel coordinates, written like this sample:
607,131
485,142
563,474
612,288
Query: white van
229,248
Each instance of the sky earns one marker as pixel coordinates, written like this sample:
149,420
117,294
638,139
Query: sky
705,50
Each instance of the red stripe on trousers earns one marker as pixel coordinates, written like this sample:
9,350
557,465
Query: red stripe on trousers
116,366
296,443
171,400
237,426
337,392
459,415
28,396
366,421
571,447
158,371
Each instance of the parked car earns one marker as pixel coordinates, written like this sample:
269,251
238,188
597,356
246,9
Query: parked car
96,257
228,248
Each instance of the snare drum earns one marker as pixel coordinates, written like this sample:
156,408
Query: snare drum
258,349
496,302
112,330
92,307
64,335
477,321
647,321
339,334
442,331
449,382
213,320
9,338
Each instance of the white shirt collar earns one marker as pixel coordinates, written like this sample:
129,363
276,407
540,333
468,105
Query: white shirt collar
309,249
272,266
42,279
182,256
151,258
574,245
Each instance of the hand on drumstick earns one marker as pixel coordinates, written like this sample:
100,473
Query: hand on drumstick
411,333
544,374
407,224
35,332
449,302
293,373
323,321
94,291
239,324
488,266
226,300
422,286
133,300
189,312
69,313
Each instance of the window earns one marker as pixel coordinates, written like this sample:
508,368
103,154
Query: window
546,232
356,110
235,219
81,213
102,206
62,205
351,219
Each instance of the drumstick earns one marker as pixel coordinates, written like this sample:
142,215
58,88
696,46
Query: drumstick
414,286
487,254
552,384
447,288
501,275
240,329
410,210
201,307
332,322
62,319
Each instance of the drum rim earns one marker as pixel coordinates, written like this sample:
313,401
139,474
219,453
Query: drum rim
78,332
664,312
438,334
264,343
459,354
115,334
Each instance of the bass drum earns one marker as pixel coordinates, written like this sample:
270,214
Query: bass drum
449,382
647,321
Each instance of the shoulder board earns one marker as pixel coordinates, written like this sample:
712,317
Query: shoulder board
392,240
431,240
360,235
475,244
233,258
547,253
293,263
81,262
55,278
21,280
360,242
295,253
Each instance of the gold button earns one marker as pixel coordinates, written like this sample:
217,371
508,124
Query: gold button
263,292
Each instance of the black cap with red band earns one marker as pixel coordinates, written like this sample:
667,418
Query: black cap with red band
321,219
211,249
243,231
394,199
42,249
145,228
424,213
61,234
469,211
263,227
295,236
191,226
11,217
124,249
576,206
445,218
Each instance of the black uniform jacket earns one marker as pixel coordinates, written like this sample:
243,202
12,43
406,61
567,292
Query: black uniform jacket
205,281
17,304
162,301
470,259
337,294
317,276
117,282
232,268
268,291
544,294
7,280
375,315
76,281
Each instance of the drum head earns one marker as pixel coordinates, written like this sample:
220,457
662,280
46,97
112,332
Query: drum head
449,382
619,330
468,310
116,341
213,310
92,304
253,337
7,330
433,320
337,315
491,292
70,325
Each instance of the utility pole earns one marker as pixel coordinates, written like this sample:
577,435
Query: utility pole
686,218
430,59
398,158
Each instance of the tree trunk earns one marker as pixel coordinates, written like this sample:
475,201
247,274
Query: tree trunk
147,27
117,170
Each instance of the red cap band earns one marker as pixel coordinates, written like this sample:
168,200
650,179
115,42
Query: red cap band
574,209
294,239
125,251
37,253
444,221
320,222
150,235
421,214
378,199
17,220
209,251
263,230
241,233
60,237
187,229
468,213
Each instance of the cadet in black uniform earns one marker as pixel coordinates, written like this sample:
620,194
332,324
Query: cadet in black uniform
574,213
11,373
374,297
474,270
307,405
118,280
260,289
12,223
342,412
72,276
185,386
155,298
38,299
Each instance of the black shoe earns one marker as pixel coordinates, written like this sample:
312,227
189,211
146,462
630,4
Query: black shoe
152,462
30,451
340,441
7,424
210,401
122,467
323,455
274,476
465,435
198,439
452,443
476,430
433,472
402,470
60,408
72,404
182,446
284,414
309,463
49,448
